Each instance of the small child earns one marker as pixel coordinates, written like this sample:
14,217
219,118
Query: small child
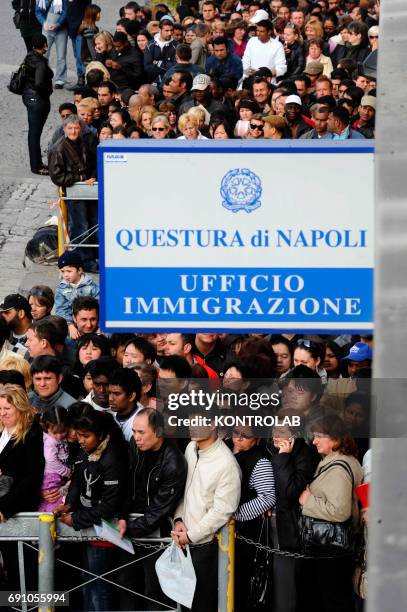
55,423
247,108
74,283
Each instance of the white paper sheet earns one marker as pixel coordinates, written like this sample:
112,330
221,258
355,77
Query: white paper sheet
110,533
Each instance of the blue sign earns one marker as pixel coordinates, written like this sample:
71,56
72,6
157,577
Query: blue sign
296,255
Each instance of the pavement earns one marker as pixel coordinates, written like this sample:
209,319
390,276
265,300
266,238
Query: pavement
25,198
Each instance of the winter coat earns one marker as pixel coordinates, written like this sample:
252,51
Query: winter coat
295,60
130,74
230,65
155,487
332,497
212,490
70,162
24,462
98,484
60,398
157,59
38,75
58,19
74,16
292,472
66,293
29,24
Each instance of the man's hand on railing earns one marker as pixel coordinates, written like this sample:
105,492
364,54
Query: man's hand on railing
91,181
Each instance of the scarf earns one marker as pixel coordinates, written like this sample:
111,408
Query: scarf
57,5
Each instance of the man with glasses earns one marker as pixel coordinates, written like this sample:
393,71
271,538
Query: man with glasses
264,51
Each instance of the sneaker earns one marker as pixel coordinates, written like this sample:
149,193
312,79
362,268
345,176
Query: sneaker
41,171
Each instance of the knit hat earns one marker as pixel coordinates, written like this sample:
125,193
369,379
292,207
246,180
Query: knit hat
70,258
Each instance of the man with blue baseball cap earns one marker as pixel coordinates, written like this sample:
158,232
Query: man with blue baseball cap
360,356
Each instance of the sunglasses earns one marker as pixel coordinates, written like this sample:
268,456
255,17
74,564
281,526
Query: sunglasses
155,129
373,36
306,343
256,126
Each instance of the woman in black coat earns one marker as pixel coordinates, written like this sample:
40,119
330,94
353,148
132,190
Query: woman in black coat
96,492
294,51
26,20
36,99
21,469
294,465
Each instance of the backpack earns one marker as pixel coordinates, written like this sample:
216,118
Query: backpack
43,246
17,80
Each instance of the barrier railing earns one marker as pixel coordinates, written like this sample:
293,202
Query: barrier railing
42,528
79,191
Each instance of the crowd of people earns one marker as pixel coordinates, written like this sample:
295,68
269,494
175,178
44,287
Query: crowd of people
83,428
85,434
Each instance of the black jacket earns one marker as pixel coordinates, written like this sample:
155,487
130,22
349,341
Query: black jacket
295,60
292,472
156,484
24,462
98,484
74,15
29,24
38,76
158,60
68,162
129,76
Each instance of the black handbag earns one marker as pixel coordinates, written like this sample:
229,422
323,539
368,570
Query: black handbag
327,538
260,585
18,81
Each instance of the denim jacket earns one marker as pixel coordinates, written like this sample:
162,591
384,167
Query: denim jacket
42,14
65,294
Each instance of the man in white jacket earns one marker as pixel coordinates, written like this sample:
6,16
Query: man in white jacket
212,494
264,51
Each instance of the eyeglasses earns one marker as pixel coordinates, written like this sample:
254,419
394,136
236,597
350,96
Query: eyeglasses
373,36
155,129
256,126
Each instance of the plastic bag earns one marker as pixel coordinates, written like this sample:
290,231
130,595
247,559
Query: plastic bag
176,575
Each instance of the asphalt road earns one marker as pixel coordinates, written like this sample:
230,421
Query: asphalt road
24,197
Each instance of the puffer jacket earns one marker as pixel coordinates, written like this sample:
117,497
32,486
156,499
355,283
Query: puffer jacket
332,497
38,75
155,488
98,484
212,491
70,162
65,294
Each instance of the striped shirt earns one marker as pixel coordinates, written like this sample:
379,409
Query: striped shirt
262,481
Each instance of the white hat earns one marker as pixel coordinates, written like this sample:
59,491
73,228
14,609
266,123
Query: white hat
293,100
201,82
259,15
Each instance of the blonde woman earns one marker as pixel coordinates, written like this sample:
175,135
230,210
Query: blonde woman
98,66
294,50
145,117
21,453
15,362
160,127
201,114
103,44
314,29
189,126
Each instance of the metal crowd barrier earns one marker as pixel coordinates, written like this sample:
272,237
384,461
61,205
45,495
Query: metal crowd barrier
78,191
42,528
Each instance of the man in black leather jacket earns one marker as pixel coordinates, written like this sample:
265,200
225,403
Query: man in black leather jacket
157,477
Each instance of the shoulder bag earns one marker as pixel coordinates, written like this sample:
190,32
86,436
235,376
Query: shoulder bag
327,538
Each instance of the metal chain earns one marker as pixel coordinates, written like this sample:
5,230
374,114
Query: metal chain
284,553
161,546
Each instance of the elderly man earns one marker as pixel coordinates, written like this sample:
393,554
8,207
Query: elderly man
72,160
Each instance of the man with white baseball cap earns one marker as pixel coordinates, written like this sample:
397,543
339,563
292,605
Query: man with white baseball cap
293,115
262,50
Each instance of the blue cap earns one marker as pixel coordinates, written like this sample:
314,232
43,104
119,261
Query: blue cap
359,352
70,258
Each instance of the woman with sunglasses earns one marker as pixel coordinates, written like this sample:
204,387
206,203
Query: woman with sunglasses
373,35
160,127
256,127
312,355
257,498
